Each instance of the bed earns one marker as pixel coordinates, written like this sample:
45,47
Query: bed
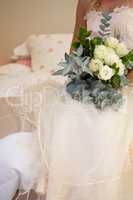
13,76
33,62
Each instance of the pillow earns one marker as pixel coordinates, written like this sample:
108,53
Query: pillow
21,51
47,51
19,153
9,180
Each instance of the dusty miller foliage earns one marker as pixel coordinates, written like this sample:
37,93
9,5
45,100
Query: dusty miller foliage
105,24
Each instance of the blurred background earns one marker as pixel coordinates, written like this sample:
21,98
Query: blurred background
21,18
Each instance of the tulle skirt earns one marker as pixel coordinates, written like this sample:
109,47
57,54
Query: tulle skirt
86,153
77,151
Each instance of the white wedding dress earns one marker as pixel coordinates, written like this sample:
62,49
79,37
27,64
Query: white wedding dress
85,153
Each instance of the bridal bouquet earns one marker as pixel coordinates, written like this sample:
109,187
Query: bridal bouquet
97,69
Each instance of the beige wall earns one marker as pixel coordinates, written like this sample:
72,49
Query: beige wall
21,18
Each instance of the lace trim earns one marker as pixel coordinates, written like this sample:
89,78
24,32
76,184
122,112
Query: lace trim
115,10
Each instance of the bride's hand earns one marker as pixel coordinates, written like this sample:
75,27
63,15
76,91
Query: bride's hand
130,75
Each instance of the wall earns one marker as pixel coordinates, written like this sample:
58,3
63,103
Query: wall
21,18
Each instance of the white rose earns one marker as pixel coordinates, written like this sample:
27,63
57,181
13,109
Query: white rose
111,42
110,57
121,67
95,65
99,52
121,50
106,73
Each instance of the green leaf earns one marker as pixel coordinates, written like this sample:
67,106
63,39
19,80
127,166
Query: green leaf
76,45
79,51
102,27
67,57
115,81
87,46
124,81
59,72
128,60
97,41
116,69
83,33
107,16
105,24
130,65
104,21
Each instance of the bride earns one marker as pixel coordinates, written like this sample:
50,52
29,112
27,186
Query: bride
87,153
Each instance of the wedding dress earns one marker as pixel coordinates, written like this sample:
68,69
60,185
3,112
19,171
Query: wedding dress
85,153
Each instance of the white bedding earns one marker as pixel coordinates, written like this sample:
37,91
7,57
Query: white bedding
14,80
15,164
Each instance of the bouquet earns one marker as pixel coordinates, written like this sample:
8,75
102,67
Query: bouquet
97,68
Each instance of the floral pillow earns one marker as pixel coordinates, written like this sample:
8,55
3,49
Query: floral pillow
46,51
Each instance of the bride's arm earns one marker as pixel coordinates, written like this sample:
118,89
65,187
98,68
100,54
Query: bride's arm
130,75
80,17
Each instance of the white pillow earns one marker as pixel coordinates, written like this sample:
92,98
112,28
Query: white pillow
14,70
47,51
9,181
18,153
21,51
